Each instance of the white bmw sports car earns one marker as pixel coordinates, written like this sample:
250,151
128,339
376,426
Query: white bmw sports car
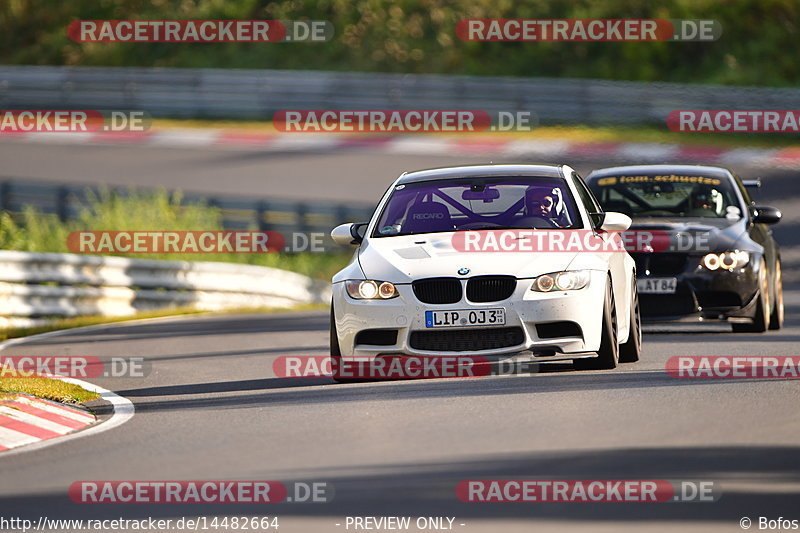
415,286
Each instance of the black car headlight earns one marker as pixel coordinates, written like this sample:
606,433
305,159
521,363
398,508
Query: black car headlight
570,280
370,289
726,260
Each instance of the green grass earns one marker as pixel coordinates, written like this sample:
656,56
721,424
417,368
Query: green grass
31,231
50,389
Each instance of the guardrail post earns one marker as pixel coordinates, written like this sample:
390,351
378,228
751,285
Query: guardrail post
62,200
302,224
261,210
5,193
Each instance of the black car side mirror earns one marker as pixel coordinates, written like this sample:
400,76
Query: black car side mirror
764,214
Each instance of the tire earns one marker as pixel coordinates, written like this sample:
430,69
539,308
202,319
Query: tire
336,352
776,318
761,318
334,337
632,349
608,354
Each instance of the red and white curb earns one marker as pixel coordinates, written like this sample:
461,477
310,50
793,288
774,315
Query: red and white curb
466,144
25,419
123,409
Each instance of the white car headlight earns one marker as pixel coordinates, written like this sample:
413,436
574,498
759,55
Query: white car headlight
369,289
561,281
726,260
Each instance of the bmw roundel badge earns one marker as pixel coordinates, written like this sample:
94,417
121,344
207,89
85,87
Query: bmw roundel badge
463,271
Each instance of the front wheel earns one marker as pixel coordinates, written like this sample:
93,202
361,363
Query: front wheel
776,318
608,354
761,318
632,349
336,352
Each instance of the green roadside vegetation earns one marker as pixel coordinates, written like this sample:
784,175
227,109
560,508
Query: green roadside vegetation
31,231
419,36
50,389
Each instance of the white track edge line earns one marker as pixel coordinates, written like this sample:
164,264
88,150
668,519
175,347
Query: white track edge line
123,407
123,411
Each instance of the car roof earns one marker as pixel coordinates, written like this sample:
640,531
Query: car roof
717,172
469,171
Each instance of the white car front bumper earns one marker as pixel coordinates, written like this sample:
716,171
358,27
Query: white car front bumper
524,310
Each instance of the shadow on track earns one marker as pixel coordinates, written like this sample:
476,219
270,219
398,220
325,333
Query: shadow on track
429,489
270,392
197,326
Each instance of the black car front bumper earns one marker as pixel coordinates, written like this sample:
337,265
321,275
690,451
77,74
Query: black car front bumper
701,295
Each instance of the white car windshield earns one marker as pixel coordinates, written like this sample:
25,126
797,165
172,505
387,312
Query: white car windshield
478,203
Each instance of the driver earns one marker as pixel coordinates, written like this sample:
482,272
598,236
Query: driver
705,199
545,202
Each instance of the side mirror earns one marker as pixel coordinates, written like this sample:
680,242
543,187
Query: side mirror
615,222
764,214
350,233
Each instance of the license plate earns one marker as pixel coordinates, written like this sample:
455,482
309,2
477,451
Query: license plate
465,317
657,285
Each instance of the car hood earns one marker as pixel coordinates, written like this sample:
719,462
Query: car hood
720,233
402,259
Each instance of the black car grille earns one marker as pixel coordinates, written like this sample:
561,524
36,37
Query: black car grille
437,290
708,299
466,340
660,263
490,288
662,305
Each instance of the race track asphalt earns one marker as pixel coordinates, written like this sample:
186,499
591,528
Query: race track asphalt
211,407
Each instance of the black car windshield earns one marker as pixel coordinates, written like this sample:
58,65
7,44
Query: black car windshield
478,203
667,195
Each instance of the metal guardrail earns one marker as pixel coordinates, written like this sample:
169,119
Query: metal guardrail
64,285
258,94
67,201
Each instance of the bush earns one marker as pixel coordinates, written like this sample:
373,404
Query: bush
144,211
418,36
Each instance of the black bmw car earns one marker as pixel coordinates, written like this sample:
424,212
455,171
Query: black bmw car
703,250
